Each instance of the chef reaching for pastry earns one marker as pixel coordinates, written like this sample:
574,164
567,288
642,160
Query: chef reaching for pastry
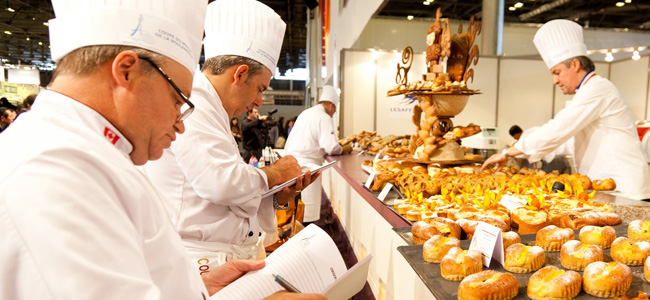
602,124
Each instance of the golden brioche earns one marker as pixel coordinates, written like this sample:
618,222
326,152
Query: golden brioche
437,247
488,285
553,283
576,255
422,231
639,230
520,258
447,227
580,217
510,238
601,236
606,280
629,252
415,214
530,221
469,225
459,263
551,238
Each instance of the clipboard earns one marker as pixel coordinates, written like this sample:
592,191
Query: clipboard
292,182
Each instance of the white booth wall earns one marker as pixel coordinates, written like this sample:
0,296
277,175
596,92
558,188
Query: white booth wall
513,91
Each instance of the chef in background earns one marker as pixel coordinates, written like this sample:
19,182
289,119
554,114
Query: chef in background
216,198
312,137
606,142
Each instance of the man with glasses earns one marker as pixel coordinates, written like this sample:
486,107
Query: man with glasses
93,226
216,197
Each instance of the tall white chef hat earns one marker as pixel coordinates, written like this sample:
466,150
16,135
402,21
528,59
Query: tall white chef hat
246,28
559,40
329,94
170,27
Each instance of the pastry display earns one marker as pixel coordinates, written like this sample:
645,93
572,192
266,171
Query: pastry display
604,185
459,263
576,255
580,217
415,214
553,283
530,221
601,236
469,224
639,230
551,238
520,258
629,252
488,285
606,280
437,247
422,231
510,238
446,226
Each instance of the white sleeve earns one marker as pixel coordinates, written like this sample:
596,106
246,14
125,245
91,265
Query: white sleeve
327,137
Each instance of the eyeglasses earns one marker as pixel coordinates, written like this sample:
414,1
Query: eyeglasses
188,107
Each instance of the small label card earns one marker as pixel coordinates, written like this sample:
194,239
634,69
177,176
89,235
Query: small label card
386,157
384,192
377,156
487,239
511,202
370,179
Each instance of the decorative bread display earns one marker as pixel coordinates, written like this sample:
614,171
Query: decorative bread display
459,263
446,226
601,236
437,247
520,258
576,255
488,285
551,238
606,280
580,217
553,283
639,230
629,252
530,221
422,231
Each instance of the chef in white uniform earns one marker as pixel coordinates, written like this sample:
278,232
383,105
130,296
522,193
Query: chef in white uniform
215,197
606,143
312,137
78,220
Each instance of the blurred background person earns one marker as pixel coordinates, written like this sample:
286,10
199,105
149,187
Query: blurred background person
254,134
7,116
236,131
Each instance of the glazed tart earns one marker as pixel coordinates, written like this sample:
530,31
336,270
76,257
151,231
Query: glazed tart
524,259
629,252
553,283
488,285
606,280
576,255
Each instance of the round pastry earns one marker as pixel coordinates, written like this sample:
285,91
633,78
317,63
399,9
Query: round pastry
510,238
466,212
469,225
606,280
403,208
503,216
488,285
415,214
551,238
447,227
646,269
530,221
639,230
576,256
421,232
580,217
437,247
459,263
398,202
604,185
639,296
524,259
601,236
553,283
630,253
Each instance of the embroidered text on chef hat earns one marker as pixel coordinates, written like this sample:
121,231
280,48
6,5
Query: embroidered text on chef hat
559,40
329,94
246,28
169,27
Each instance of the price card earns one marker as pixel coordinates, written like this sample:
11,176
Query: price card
371,178
511,202
386,157
487,240
384,192
377,156
361,152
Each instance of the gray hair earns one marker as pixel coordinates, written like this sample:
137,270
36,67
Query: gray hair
585,63
219,64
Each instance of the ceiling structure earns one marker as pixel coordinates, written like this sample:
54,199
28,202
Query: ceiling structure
24,34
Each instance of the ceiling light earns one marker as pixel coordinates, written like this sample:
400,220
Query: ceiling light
619,4
512,8
46,23
7,32
609,56
635,55
40,43
27,38
588,52
426,2
10,9
613,51
519,5
409,17
628,1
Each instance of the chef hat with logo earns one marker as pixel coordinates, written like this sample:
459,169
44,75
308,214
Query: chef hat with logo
559,40
246,28
329,94
169,27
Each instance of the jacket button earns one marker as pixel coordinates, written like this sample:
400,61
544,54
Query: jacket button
250,233
260,233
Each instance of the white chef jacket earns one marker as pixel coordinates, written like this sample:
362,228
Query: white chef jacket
606,142
77,219
215,196
312,137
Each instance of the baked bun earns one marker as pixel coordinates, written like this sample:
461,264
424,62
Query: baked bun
551,238
466,212
639,296
459,263
397,203
403,208
576,256
553,283
437,247
639,230
646,269
631,253
530,221
488,285
469,225
524,259
447,227
510,238
422,231
606,280
414,214
499,214
604,185
580,217
601,236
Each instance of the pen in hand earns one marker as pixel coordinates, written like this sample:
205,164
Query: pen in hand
286,285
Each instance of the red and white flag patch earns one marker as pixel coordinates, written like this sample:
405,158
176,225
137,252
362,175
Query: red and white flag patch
111,136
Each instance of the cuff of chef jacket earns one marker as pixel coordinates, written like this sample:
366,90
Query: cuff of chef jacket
533,155
265,183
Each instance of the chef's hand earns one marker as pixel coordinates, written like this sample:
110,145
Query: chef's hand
498,158
225,274
295,296
288,193
282,170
